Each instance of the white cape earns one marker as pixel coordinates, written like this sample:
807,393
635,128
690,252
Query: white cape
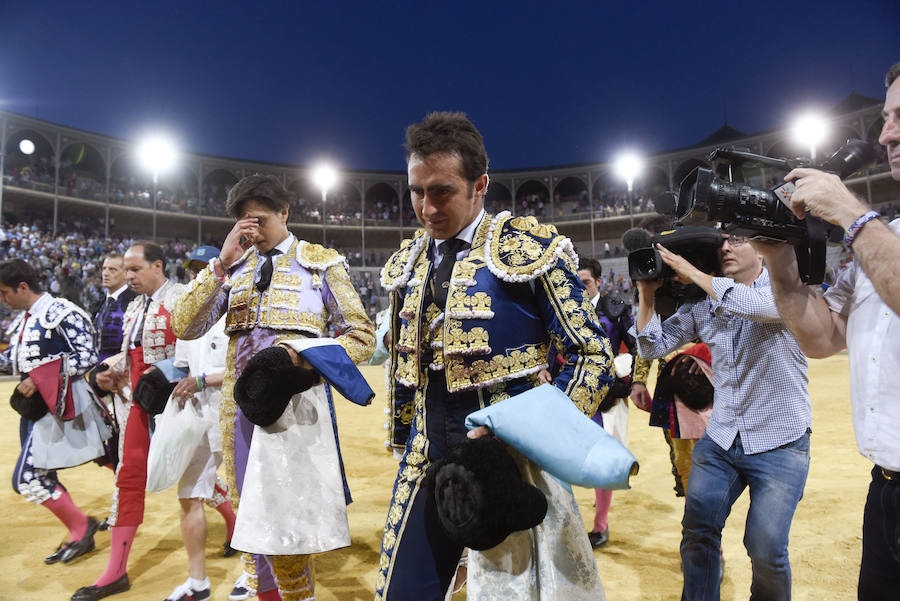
550,562
292,502
58,444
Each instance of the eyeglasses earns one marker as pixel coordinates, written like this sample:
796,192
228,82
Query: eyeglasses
734,241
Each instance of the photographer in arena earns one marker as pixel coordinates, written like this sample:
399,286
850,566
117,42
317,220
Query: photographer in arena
758,433
860,313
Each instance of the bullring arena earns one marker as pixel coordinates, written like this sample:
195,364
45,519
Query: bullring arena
76,192
641,561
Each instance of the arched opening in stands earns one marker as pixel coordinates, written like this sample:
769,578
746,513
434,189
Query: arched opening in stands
33,170
216,185
608,198
129,184
344,204
498,198
653,182
178,192
533,198
407,214
306,206
82,171
570,197
382,204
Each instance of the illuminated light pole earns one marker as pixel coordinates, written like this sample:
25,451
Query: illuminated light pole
325,177
810,130
628,166
157,154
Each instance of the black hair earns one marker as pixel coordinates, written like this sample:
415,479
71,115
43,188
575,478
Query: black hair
15,271
264,189
591,264
449,133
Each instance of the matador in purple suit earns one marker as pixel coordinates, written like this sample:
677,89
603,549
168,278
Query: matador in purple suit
274,288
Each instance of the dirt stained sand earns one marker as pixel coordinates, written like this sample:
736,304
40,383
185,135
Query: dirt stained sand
641,560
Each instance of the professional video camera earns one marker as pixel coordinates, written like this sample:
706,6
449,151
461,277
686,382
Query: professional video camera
706,197
699,245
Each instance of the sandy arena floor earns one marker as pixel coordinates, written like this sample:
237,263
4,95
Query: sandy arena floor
641,560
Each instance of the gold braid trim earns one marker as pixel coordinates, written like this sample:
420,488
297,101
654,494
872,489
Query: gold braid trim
316,257
592,353
356,333
520,249
399,266
227,411
196,310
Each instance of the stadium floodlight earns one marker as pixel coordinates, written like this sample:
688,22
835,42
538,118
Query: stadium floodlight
157,154
26,146
325,177
628,166
810,130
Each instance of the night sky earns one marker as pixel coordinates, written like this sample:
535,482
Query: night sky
546,83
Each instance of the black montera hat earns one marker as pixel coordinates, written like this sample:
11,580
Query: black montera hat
268,382
480,496
152,392
30,407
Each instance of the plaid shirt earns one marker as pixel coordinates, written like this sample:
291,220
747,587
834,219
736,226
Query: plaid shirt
759,371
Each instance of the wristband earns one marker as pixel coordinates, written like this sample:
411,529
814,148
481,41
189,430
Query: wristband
857,225
200,383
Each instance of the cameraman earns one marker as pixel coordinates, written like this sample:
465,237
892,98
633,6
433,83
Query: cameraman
859,312
758,433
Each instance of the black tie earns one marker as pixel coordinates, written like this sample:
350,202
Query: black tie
265,273
449,248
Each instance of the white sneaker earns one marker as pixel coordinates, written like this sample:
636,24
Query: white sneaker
242,590
184,592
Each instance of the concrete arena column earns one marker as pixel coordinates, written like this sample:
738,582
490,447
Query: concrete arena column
199,204
362,219
108,191
590,182
2,161
56,182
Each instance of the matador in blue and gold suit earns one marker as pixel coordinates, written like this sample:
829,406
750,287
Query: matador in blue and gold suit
513,297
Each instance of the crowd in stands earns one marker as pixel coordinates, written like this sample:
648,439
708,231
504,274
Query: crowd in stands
341,208
71,261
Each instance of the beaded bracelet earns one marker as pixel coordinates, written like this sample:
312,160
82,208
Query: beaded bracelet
857,225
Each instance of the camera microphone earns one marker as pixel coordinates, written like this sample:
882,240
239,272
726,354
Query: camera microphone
635,238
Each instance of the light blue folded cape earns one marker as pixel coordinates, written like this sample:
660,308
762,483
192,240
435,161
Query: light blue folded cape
545,426
168,369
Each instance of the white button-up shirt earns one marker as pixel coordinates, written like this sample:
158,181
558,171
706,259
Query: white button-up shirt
873,343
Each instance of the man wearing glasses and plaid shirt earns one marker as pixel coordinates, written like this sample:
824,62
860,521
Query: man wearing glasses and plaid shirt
758,434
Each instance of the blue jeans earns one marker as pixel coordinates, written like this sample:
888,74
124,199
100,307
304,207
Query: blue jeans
718,477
